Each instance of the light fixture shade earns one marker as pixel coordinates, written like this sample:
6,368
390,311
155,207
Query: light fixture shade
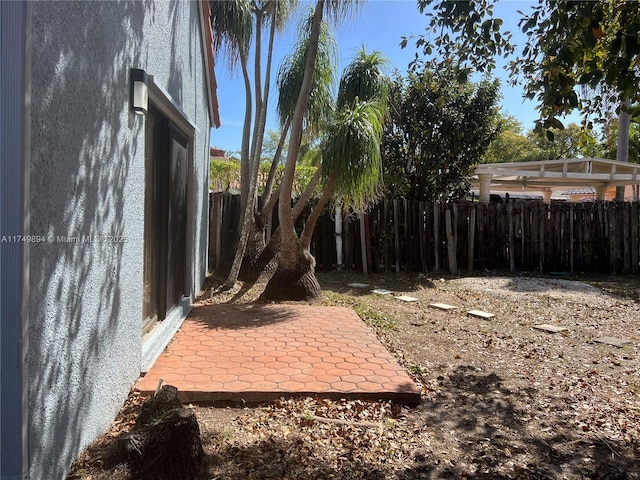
139,95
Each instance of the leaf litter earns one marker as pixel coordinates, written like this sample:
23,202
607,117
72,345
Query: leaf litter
499,399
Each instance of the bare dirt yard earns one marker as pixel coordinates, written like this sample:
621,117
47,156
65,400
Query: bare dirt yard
500,399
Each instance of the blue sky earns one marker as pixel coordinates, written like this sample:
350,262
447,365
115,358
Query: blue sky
379,26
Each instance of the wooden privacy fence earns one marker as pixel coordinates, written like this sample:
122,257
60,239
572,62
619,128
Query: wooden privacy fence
405,235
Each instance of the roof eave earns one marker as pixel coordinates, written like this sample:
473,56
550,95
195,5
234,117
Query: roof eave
206,37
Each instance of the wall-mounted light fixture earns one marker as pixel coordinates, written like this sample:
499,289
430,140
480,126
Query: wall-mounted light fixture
139,96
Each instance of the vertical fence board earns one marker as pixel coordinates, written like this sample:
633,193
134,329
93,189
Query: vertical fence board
524,235
472,238
512,258
542,210
609,227
422,233
480,222
396,233
634,238
626,234
571,248
451,243
364,243
436,235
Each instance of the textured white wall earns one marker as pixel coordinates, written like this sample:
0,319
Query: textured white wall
88,181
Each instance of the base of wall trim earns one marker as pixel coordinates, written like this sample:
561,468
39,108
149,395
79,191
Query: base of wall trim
159,337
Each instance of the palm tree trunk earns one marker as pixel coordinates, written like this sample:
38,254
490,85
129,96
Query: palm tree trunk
257,78
268,188
246,192
622,155
294,278
264,254
252,168
249,250
266,262
310,225
261,114
306,195
245,160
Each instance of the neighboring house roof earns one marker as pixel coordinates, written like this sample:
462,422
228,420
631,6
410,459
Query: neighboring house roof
207,47
557,174
216,152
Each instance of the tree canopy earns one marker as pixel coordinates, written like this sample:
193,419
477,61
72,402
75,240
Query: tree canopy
570,44
511,145
438,128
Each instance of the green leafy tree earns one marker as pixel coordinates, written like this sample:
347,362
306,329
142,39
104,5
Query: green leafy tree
569,44
438,130
610,136
509,146
512,146
570,142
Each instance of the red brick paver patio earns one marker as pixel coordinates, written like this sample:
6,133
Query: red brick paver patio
257,353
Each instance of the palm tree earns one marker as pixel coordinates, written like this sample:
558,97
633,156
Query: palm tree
289,79
351,169
622,153
351,162
295,265
232,20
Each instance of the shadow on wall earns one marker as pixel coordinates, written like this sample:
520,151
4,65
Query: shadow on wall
175,85
81,171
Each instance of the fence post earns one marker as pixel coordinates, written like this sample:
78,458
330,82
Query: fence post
472,237
436,235
571,237
396,233
422,232
512,260
364,245
451,243
634,238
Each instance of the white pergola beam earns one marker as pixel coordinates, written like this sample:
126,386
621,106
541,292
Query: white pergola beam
598,173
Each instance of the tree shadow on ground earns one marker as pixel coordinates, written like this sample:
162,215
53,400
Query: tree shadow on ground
241,316
338,282
498,440
291,457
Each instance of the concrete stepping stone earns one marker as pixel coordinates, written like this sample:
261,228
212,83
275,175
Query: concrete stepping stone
381,291
407,298
616,342
480,314
442,306
358,285
550,328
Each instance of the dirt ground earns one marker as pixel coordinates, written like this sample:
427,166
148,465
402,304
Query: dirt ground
500,399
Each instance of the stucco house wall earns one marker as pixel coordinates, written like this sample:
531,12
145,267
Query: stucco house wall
87,199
